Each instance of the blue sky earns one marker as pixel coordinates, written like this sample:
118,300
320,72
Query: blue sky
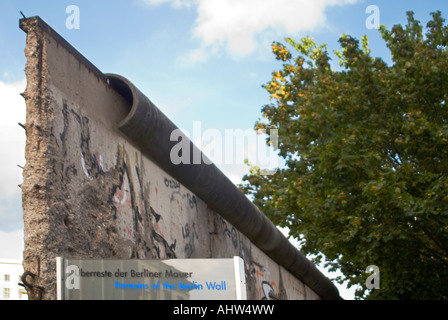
197,60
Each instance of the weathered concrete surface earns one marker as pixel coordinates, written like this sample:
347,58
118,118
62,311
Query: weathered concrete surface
88,192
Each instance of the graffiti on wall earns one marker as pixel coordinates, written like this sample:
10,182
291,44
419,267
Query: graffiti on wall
120,189
176,192
117,185
257,274
126,194
184,199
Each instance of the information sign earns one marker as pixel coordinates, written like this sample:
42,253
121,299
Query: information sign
174,279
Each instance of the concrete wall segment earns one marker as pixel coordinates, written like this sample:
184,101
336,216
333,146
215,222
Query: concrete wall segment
90,192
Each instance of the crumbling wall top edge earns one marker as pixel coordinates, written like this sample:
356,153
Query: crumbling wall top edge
26,25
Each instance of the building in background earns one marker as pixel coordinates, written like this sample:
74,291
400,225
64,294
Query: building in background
10,273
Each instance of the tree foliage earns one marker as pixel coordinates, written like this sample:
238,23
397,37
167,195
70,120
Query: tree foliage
366,151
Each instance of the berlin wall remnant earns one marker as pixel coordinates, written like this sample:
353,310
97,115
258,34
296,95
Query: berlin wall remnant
98,183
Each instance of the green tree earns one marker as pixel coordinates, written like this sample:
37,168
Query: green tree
366,153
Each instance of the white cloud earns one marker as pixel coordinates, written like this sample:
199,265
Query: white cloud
240,25
12,137
12,151
11,245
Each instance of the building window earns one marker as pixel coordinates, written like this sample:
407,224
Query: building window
6,293
23,294
7,277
